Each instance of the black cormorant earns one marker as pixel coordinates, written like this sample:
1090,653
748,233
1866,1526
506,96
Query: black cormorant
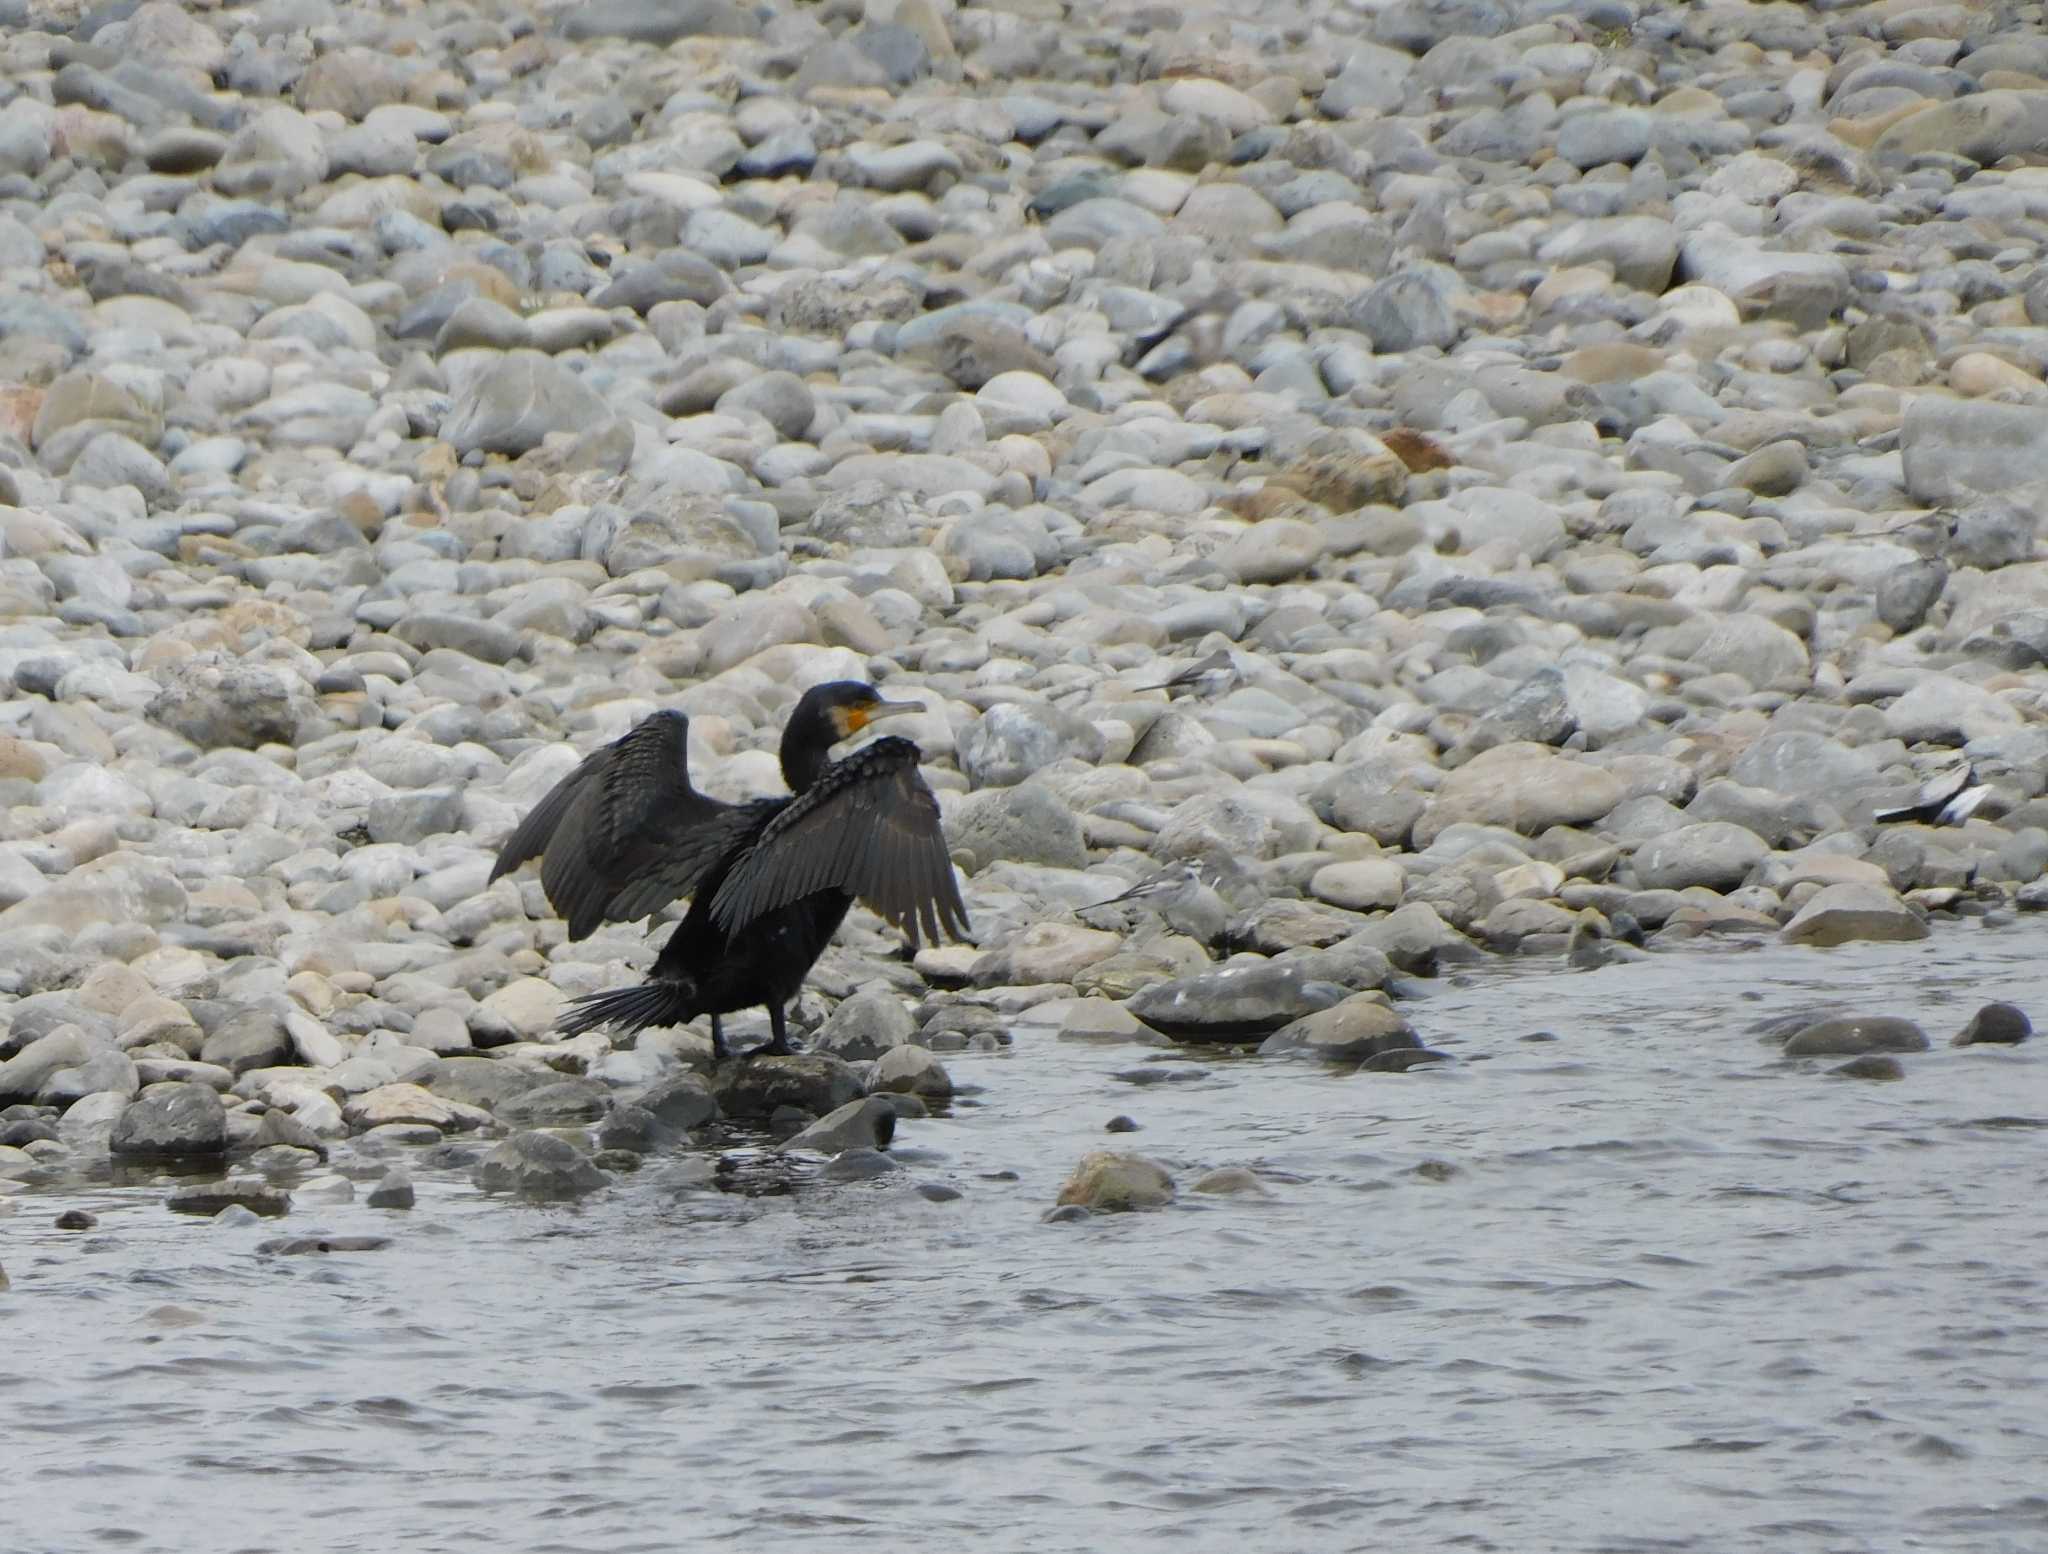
769,880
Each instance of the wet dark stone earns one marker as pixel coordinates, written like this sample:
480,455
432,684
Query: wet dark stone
1066,1214
1852,1036
1874,1065
680,1102
1120,1124
631,1127
538,1165
27,1131
394,1192
868,1123
1777,1029
858,1165
1142,1076
305,1246
751,1089
212,1197
76,1219
2002,1024
939,1192
1402,1059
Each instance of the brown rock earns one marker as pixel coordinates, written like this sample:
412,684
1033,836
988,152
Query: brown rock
1108,1182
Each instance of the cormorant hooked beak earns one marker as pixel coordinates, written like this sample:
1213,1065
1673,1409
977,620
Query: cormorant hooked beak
852,720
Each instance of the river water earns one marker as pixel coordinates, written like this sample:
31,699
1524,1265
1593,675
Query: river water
1644,1286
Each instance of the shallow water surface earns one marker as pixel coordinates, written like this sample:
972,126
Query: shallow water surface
1644,1286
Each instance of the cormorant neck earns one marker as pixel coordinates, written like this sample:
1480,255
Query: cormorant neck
806,752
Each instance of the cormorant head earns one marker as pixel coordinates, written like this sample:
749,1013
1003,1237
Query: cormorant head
845,707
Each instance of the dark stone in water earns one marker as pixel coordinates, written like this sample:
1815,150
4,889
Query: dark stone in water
1401,1059
616,1160
394,1192
76,1219
1120,1124
538,1165
1142,1076
1853,1035
243,1192
938,1192
1777,1029
1066,1214
868,1123
302,1246
679,1103
1358,1029
751,1089
2002,1024
1874,1065
859,1165
631,1127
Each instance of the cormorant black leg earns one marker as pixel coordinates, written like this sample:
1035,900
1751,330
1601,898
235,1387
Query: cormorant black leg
777,1046
719,1051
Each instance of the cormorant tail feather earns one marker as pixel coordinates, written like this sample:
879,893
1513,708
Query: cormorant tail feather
628,1009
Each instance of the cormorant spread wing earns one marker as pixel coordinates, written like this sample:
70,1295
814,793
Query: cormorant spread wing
623,820
869,827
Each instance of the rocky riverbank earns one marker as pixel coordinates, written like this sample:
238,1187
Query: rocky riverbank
1593,453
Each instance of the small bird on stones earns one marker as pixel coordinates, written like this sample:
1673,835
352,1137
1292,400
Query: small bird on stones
1185,897
1211,676
1945,799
